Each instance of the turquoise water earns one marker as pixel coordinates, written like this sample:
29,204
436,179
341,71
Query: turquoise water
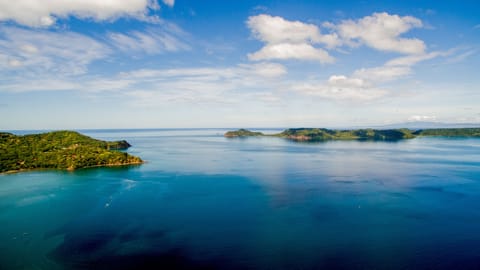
206,202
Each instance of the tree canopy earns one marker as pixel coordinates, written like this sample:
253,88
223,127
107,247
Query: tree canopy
66,150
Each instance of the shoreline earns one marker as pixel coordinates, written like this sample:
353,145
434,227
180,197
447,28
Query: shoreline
71,170
324,134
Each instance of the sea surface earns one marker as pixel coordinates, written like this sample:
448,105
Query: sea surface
203,201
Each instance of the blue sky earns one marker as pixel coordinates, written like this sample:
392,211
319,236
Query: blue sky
178,64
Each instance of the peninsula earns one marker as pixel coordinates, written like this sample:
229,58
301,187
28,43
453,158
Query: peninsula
323,134
63,150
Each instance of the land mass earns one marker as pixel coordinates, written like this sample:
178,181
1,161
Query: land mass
64,150
242,133
323,134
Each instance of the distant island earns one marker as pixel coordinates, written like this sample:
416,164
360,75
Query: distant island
242,133
64,150
323,134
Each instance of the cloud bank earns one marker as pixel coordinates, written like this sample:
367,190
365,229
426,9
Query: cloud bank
295,40
382,31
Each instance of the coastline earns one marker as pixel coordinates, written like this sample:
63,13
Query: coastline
71,170
369,134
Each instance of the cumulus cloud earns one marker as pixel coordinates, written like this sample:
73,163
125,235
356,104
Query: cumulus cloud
363,84
382,31
275,30
286,39
289,39
302,41
44,13
286,51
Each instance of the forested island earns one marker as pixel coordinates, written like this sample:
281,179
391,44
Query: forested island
323,134
64,150
242,133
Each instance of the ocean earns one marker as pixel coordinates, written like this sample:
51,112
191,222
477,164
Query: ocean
203,201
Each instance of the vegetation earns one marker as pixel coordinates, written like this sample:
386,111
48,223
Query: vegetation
66,150
242,133
323,134
449,132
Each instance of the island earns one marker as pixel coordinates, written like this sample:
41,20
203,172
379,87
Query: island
242,133
63,150
323,134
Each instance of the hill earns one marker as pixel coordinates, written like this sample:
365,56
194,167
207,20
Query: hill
65,150
242,133
323,134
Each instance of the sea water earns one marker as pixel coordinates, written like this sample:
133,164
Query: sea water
203,201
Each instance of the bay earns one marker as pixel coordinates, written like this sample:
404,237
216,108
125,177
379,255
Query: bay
203,201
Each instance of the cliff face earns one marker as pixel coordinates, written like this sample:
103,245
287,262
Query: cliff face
65,150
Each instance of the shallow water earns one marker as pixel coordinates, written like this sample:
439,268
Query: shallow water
207,202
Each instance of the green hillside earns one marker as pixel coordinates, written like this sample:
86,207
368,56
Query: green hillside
449,132
242,133
65,150
323,134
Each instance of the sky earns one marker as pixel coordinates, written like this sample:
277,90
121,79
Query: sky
90,64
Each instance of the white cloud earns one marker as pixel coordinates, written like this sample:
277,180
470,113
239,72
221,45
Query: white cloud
362,85
244,83
382,73
203,85
411,60
382,31
289,39
29,48
169,3
421,118
44,13
14,63
462,56
267,70
396,68
150,41
39,84
342,88
297,40
277,30
242,71
286,51
41,51
344,82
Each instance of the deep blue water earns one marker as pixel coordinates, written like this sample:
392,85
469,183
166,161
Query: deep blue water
207,202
